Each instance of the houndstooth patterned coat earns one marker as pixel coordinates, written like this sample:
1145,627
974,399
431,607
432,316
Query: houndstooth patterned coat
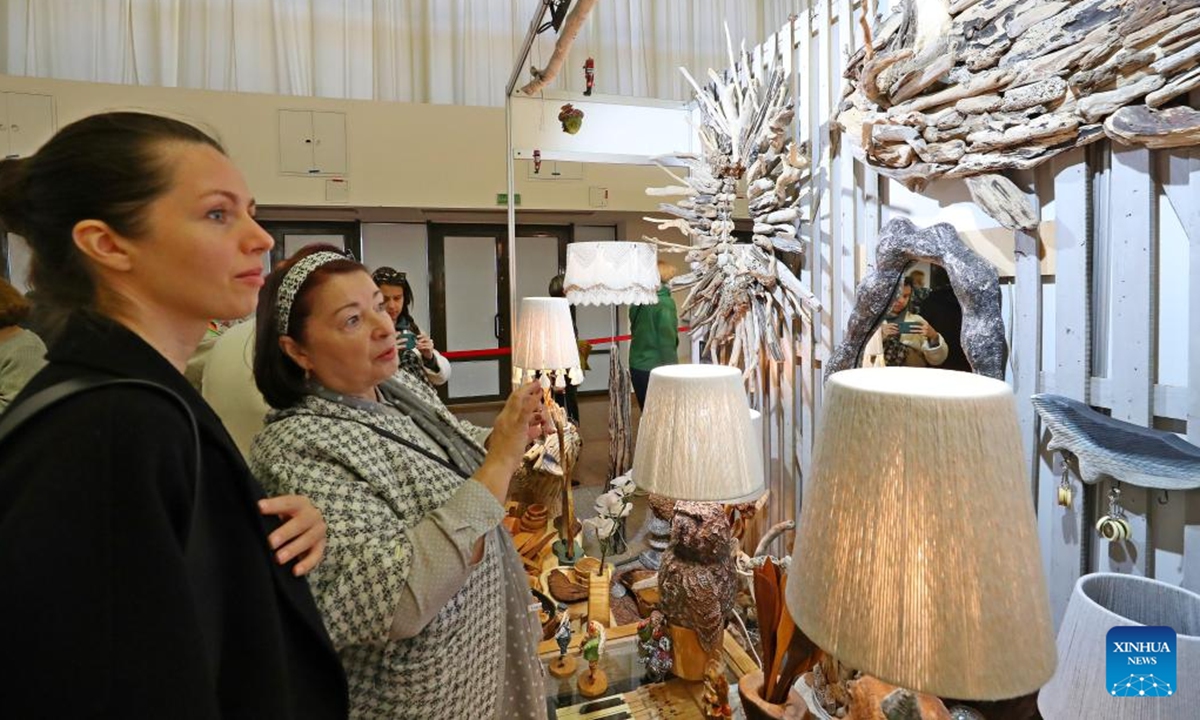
370,490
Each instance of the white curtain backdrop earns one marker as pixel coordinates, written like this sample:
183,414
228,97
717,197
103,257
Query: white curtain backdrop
430,51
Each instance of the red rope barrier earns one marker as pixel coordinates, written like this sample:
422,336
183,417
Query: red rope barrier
502,351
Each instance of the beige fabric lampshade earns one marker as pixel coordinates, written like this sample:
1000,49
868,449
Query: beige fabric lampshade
916,557
611,273
695,439
545,340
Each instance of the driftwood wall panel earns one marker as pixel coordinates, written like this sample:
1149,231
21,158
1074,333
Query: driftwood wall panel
1097,311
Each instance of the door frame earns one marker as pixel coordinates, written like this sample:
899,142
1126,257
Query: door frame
350,230
437,233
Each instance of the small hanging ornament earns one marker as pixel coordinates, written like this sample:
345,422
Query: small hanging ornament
571,118
1065,491
1113,526
537,162
589,75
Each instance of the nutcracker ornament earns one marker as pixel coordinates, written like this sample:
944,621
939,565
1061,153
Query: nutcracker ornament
537,162
589,75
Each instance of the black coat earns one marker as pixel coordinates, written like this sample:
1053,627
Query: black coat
106,610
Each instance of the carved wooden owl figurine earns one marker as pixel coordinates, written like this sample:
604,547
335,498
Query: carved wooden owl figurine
697,579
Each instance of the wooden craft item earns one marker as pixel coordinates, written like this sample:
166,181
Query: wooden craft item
756,707
687,654
598,607
563,587
801,655
977,88
873,699
585,567
563,666
593,683
767,600
535,518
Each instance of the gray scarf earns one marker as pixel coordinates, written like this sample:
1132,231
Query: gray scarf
464,453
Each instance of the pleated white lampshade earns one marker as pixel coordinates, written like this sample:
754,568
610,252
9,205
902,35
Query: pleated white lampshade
1099,603
695,439
611,273
545,340
916,556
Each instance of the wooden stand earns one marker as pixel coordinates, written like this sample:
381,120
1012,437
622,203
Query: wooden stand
563,666
593,682
687,655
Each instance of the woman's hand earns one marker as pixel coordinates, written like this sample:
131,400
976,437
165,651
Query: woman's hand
425,346
890,330
302,534
511,433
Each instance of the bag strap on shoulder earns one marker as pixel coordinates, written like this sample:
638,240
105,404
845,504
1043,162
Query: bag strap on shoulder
17,416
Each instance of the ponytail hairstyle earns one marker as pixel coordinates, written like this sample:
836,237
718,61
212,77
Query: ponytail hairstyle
107,167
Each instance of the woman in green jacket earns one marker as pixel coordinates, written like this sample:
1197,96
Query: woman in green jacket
655,335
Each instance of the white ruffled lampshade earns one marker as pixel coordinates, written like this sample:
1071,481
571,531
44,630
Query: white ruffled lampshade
545,343
696,440
611,273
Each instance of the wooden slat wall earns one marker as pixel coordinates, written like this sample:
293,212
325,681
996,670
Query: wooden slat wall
1106,235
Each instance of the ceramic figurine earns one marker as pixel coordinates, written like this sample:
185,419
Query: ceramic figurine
715,699
594,682
654,646
564,664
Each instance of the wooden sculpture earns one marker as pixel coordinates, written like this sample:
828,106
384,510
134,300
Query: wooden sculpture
972,88
743,294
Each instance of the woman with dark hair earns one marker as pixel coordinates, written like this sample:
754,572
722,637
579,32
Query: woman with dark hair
146,575
417,353
22,353
422,589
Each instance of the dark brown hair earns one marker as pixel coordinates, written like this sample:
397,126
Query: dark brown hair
280,380
13,306
105,167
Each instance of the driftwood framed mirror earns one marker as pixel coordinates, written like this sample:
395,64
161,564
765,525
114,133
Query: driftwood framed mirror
949,318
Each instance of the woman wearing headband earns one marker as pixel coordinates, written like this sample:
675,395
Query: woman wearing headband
139,582
417,353
422,590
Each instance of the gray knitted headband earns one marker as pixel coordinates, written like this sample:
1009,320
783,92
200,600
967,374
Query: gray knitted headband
296,275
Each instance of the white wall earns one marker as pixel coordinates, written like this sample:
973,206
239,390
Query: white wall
398,154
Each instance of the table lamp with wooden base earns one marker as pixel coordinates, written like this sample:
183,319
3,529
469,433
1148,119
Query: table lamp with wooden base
545,348
916,558
696,443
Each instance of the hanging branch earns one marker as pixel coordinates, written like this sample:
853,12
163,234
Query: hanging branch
570,29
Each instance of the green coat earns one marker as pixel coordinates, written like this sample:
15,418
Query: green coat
655,330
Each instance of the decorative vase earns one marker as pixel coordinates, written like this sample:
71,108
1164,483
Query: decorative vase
616,543
750,688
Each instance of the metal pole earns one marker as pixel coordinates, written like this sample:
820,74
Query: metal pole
509,165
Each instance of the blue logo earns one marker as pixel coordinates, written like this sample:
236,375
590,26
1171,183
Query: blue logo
1140,661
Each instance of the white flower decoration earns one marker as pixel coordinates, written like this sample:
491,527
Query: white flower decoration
610,504
604,526
624,485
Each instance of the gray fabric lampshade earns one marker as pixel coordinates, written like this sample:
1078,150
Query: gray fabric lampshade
916,557
696,440
1100,602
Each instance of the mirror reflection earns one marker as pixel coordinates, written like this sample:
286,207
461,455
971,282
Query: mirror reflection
922,324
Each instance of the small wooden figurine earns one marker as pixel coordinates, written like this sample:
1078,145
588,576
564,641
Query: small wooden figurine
563,665
594,682
716,691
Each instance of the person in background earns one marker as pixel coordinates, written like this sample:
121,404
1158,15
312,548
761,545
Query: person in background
905,338
422,588
22,353
655,330
569,398
417,350
145,573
